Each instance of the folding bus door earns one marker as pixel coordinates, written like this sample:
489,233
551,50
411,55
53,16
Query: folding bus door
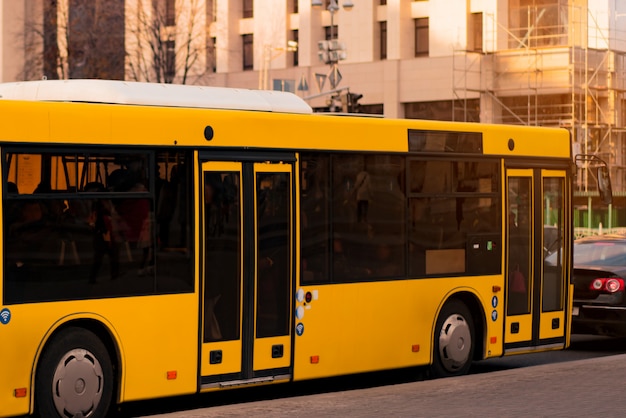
248,271
535,259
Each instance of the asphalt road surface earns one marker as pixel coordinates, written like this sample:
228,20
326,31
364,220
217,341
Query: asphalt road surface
585,380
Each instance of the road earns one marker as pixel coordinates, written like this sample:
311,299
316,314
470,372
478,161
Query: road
585,380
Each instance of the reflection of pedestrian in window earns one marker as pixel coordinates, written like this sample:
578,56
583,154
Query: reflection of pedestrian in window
166,206
212,210
363,195
105,235
383,264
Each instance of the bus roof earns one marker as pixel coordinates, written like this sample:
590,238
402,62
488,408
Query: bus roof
153,94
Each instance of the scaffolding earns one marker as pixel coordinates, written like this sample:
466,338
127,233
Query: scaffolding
551,66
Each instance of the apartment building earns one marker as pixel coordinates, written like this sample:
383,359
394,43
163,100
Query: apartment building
536,62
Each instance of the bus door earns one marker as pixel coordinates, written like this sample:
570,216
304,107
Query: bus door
247,240
535,274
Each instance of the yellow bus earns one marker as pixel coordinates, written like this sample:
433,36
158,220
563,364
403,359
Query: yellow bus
161,240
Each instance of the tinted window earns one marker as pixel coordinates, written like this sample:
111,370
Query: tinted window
353,228
441,141
315,218
368,217
454,217
83,225
354,217
222,238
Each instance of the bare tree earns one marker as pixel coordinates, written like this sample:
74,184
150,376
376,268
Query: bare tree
167,40
74,39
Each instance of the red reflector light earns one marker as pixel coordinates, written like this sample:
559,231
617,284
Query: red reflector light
415,348
496,289
315,359
608,285
20,392
172,374
493,340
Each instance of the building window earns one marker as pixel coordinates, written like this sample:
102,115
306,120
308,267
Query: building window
170,61
248,52
170,12
383,40
467,110
421,37
331,32
537,23
248,8
211,12
475,32
293,6
294,37
212,54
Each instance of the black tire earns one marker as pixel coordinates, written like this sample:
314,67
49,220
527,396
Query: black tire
77,356
454,342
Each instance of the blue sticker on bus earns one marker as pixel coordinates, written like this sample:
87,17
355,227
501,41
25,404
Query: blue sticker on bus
494,301
300,329
5,316
494,315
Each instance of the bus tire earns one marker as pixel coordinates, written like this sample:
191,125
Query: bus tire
453,347
74,377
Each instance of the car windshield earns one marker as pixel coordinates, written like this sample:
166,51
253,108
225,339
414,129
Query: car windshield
600,253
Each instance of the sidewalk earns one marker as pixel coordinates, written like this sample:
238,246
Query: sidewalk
585,388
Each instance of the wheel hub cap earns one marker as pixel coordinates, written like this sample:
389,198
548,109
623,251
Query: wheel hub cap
77,384
455,342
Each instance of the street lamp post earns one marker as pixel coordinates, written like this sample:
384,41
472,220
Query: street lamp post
332,8
331,50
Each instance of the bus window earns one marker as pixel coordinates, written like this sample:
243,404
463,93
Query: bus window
314,217
86,220
368,217
453,218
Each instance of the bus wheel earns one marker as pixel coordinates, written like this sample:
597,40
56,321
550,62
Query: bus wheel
75,377
454,341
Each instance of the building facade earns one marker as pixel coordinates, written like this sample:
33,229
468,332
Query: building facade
535,62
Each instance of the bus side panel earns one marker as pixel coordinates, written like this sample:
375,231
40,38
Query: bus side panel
157,334
362,327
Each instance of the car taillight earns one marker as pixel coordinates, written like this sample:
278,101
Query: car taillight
609,285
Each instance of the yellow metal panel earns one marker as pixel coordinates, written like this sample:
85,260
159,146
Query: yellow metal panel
528,141
118,124
262,359
231,358
157,334
568,316
363,327
525,328
545,326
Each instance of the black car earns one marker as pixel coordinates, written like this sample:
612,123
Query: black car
599,295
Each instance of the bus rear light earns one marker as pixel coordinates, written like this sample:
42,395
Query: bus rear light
172,375
315,359
20,392
415,348
608,285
